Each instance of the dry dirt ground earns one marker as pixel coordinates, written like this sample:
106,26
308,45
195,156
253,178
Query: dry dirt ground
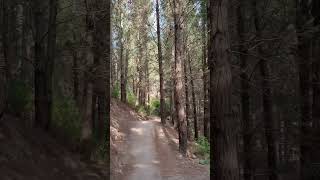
143,149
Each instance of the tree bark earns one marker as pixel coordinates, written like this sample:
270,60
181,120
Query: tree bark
179,73
267,103
224,164
44,58
194,105
187,99
162,100
247,124
123,96
205,76
304,68
3,56
101,49
316,83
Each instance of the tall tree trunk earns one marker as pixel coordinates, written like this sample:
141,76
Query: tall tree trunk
173,92
187,99
5,69
126,64
179,73
316,83
122,67
205,76
102,52
247,124
41,70
224,164
194,105
75,76
52,34
304,67
162,101
87,103
268,119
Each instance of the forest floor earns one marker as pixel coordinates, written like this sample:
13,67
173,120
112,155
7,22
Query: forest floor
31,154
147,150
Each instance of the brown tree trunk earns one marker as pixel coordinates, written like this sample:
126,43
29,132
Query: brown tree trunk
3,56
162,101
179,73
267,104
194,105
75,76
224,164
102,52
247,124
316,85
88,101
205,76
123,96
187,99
304,68
126,64
44,58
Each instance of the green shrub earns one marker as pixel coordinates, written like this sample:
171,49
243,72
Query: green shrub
142,110
132,99
19,97
116,91
155,107
203,147
66,117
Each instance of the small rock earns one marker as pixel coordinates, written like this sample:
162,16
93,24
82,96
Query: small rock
193,156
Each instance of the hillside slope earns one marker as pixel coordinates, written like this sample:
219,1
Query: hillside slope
35,155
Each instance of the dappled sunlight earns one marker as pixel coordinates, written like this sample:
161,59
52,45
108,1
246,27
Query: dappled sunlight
156,162
138,131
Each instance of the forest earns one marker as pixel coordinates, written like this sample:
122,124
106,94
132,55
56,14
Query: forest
160,89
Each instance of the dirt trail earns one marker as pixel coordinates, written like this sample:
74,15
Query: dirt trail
152,155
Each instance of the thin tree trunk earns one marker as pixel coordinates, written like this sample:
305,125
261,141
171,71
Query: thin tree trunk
75,77
247,124
316,83
194,105
126,64
205,77
52,34
162,101
268,119
224,164
304,68
179,73
42,113
122,68
3,56
187,100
